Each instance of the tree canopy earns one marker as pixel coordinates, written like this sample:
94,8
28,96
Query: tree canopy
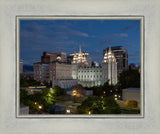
129,78
97,105
46,99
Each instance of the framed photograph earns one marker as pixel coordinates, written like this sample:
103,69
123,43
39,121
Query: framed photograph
79,67
102,79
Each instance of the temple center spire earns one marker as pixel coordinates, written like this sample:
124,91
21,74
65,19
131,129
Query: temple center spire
80,49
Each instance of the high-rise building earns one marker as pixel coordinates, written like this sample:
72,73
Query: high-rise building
121,56
60,71
53,57
41,72
48,72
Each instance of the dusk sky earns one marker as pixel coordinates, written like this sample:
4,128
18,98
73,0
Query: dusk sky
37,36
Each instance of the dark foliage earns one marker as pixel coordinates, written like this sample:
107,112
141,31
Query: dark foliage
45,98
26,83
130,78
97,105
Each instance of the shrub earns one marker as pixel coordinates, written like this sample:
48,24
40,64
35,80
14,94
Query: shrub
131,103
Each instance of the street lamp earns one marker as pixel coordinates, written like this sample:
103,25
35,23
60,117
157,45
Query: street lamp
40,107
68,111
74,94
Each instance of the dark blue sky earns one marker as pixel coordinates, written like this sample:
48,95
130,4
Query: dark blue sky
37,36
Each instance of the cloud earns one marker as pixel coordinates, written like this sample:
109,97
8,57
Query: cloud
42,33
71,32
78,33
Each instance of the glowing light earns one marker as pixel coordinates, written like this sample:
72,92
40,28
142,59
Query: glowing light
40,107
119,96
104,92
35,103
74,93
115,98
115,95
89,112
68,111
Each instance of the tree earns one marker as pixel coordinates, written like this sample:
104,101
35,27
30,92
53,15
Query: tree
58,91
37,102
129,78
110,106
23,97
97,105
105,90
26,83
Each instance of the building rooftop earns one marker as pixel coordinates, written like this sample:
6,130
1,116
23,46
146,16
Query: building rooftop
116,47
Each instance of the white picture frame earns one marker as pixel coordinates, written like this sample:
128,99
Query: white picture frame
149,123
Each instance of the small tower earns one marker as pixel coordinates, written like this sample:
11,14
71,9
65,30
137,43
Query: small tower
109,67
80,49
80,58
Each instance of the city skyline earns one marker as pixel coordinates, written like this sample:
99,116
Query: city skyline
37,36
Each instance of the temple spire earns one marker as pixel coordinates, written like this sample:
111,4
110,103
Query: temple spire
80,49
109,47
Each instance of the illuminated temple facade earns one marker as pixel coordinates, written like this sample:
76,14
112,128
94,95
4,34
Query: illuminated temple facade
54,68
83,59
89,76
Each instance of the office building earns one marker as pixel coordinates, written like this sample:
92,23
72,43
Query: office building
41,72
53,57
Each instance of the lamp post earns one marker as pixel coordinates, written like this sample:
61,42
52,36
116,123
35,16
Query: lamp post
40,107
74,94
